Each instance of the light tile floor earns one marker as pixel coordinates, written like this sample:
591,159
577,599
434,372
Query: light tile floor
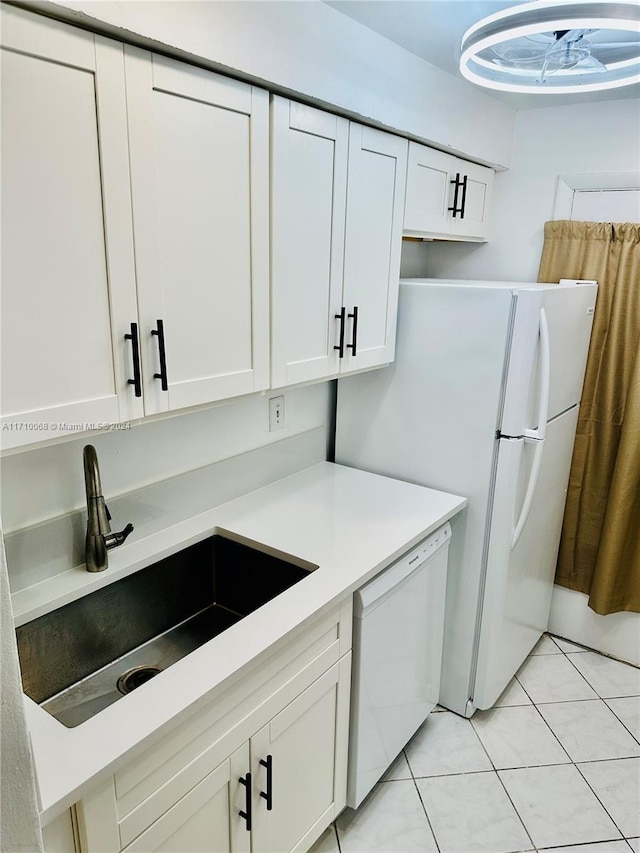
554,766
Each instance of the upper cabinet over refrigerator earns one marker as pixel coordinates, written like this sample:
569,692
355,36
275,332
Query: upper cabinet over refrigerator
447,198
336,211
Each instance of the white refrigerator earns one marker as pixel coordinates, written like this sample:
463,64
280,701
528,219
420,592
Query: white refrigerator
482,401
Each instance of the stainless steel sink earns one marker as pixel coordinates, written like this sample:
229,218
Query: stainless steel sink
86,655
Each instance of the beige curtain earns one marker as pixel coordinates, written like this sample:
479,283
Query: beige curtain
600,546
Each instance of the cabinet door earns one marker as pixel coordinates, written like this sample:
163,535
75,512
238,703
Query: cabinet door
68,277
205,819
59,835
373,241
428,191
305,746
309,166
473,224
199,147
432,195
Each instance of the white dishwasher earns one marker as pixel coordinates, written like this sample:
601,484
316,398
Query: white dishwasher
397,653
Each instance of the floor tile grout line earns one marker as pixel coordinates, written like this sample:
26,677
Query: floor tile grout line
574,764
633,695
579,844
524,688
517,767
335,832
564,701
495,770
575,761
424,809
541,715
513,805
577,766
535,705
568,656
580,649
637,739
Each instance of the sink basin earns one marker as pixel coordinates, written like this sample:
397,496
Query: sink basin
82,657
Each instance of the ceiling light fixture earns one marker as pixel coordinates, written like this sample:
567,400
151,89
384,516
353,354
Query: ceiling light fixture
555,47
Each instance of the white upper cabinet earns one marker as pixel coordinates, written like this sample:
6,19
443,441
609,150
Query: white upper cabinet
336,212
68,275
447,198
308,203
373,243
199,147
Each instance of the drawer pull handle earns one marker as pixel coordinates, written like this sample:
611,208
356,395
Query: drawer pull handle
135,353
162,376
246,781
269,794
341,317
354,330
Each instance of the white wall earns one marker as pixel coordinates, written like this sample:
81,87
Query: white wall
581,139
42,483
308,48
617,634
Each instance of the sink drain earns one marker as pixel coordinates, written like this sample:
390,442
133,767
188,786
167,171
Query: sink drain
133,678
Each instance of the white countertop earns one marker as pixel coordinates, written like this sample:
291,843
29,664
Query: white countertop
350,523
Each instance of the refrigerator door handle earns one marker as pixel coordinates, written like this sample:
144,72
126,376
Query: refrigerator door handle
531,490
545,379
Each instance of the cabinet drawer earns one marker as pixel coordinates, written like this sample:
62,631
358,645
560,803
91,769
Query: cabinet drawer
145,788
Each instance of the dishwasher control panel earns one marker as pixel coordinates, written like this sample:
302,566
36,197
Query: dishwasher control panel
373,592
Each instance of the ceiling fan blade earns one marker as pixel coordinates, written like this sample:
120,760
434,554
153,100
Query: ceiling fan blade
593,63
520,50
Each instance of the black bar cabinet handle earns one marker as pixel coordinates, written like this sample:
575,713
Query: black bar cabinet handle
135,353
342,317
354,330
456,183
246,781
268,796
162,376
464,196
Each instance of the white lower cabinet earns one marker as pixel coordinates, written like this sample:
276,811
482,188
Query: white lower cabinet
262,769
204,819
299,760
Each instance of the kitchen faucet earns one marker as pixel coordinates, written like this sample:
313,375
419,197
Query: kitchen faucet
99,536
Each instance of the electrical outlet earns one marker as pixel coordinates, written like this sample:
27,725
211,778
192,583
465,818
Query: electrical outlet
276,413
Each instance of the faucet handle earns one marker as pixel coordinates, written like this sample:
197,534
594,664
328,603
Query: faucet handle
112,540
106,509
